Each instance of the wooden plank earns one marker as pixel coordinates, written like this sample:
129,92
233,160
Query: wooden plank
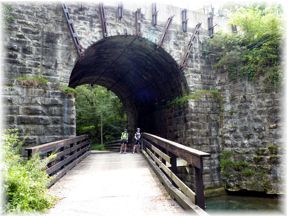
160,153
60,174
183,187
176,194
59,143
177,145
66,161
69,150
192,156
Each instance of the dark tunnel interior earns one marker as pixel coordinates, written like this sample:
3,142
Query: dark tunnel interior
140,74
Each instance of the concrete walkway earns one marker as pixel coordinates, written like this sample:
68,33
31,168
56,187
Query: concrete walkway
112,184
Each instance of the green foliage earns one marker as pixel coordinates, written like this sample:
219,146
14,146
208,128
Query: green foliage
225,154
247,172
25,181
32,81
239,165
255,51
95,105
258,159
274,159
228,164
261,151
215,93
273,149
68,91
99,147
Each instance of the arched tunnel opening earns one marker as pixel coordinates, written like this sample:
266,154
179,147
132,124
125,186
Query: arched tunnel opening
141,74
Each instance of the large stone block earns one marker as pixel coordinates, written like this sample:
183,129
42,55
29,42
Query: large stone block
32,120
33,110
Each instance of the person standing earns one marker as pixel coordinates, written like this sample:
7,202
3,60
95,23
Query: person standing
124,141
137,137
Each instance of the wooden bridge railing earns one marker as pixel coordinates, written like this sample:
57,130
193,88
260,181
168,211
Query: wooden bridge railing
113,146
68,153
166,161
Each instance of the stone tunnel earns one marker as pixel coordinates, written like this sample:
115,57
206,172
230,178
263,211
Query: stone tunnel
140,74
145,76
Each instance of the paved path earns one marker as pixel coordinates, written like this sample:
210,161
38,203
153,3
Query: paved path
112,184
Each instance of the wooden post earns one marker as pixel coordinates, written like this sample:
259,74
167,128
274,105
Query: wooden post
29,153
173,162
199,186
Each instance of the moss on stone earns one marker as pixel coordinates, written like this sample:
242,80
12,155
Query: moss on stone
32,81
273,149
261,151
239,165
274,159
215,93
67,90
258,159
247,172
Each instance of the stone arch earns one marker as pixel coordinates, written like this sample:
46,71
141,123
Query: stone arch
142,75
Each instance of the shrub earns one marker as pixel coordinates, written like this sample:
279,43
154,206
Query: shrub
25,181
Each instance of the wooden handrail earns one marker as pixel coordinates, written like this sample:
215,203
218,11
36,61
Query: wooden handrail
172,151
68,153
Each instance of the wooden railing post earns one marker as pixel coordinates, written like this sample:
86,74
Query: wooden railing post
168,151
199,186
173,162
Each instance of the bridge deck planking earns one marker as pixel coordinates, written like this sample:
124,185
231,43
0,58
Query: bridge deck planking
113,183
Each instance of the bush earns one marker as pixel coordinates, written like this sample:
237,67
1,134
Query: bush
25,181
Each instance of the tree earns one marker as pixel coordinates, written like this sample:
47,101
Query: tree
99,113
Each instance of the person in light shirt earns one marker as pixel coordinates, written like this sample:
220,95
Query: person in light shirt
124,141
137,138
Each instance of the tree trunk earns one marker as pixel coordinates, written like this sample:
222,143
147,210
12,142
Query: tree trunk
101,128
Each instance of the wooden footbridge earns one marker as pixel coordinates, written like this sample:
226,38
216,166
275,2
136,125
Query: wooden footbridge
111,183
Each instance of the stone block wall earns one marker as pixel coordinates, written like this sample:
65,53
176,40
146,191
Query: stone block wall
195,124
37,42
42,114
251,132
